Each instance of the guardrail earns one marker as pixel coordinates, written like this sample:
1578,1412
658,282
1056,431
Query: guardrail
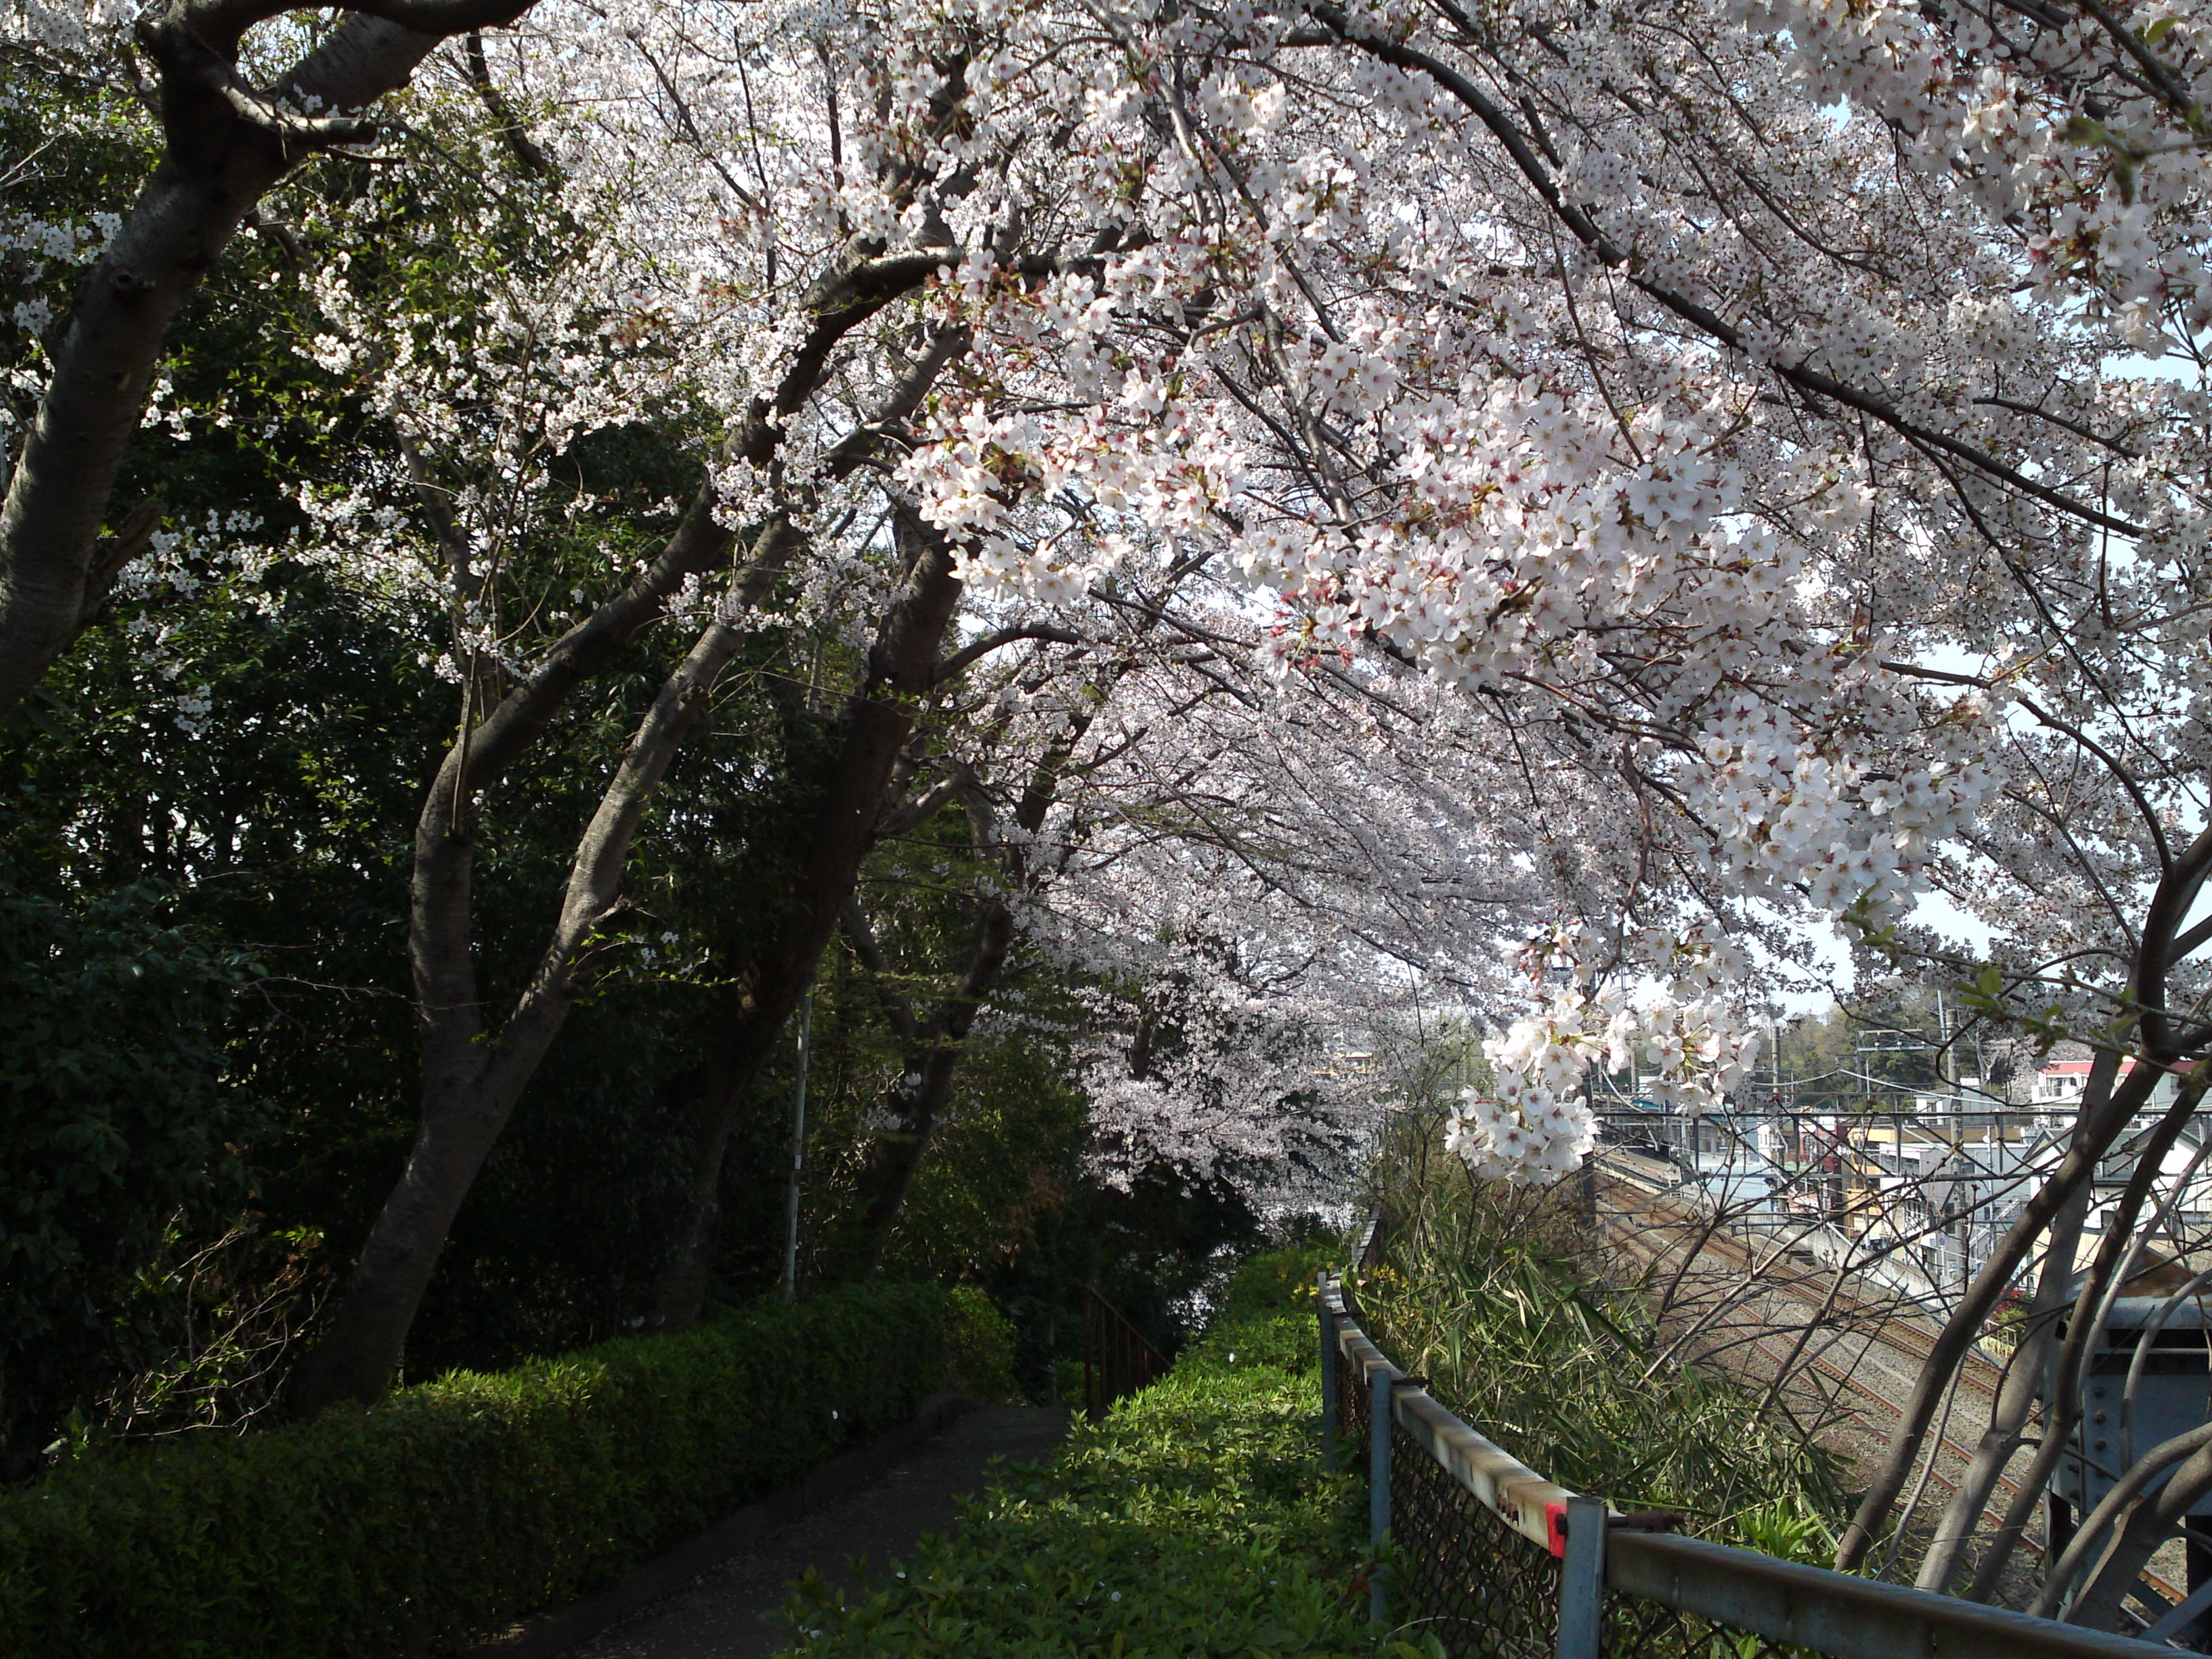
1499,1561
1118,1359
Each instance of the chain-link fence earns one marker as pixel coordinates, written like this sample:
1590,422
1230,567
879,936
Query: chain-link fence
1635,1626
1488,1557
1481,1588
1484,1591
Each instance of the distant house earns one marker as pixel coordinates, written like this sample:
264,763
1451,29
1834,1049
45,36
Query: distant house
2060,1083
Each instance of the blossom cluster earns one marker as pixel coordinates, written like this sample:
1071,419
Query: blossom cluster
1537,1125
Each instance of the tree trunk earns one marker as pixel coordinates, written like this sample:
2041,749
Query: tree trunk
764,990
2109,1270
218,163
2151,1520
1964,1326
469,1085
2024,1376
2181,880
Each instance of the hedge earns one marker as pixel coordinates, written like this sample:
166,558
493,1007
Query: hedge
445,1511
981,1340
1194,1521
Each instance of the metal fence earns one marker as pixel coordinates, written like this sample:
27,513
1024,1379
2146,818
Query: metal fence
1497,1562
1117,1358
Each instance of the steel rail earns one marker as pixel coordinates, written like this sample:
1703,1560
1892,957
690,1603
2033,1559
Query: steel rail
1896,1332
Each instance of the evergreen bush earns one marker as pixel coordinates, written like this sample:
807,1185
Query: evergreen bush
439,1514
980,1363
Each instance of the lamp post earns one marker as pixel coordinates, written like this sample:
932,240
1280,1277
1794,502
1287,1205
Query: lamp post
798,1148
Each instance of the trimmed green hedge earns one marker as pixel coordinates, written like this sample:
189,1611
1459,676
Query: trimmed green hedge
450,1509
1195,1521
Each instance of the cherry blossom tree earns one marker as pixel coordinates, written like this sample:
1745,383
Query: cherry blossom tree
1605,358
1723,426
232,131
823,379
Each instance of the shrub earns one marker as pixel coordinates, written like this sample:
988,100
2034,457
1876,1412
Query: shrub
1267,1312
1195,1520
447,1509
1489,1291
981,1342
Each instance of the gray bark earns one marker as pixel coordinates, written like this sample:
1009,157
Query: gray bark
2182,880
472,1078
2108,1270
2023,1377
2151,1520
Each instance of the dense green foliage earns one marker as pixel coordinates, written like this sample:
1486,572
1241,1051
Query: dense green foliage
209,1064
103,1136
981,1342
452,1508
1489,1292
1195,1520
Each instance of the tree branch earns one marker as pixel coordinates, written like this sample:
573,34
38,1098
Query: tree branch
1005,637
896,1009
897,820
1586,231
223,157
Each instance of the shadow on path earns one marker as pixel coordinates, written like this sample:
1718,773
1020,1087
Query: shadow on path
722,1613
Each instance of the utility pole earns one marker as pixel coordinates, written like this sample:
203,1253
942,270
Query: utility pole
798,1147
1947,1059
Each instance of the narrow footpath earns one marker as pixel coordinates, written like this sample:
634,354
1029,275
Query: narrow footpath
723,1614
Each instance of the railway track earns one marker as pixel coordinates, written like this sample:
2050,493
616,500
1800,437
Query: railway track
1658,1244
1980,1372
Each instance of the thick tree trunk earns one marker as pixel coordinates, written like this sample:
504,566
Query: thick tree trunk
764,992
360,1352
470,1086
472,1083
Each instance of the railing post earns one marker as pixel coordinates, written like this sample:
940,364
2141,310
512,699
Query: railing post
1327,1373
1381,1401
1582,1580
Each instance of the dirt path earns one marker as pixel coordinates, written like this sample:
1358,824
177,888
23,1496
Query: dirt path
723,1614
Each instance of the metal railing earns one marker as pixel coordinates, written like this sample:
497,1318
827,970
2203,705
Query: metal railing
1497,1561
1117,1358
